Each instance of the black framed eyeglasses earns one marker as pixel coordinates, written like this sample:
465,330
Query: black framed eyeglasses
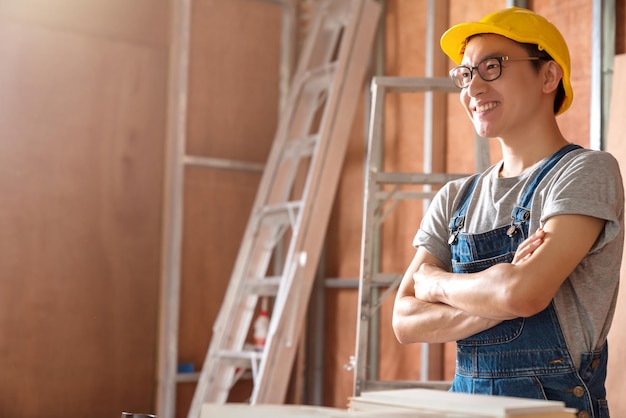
488,69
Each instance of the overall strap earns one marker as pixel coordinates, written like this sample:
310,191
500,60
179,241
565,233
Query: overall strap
458,219
521,213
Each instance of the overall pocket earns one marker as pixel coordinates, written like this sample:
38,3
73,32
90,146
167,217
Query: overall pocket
504,332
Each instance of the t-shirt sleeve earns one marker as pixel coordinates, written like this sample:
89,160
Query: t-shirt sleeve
433,232
590,185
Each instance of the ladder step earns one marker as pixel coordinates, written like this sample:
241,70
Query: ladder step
281,213
384,279
301,147
408,179
241,358
194,377
187,377
415,84
319,78
267,286
208,162
415,178
404,195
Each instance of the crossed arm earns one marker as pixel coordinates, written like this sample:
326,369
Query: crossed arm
434,305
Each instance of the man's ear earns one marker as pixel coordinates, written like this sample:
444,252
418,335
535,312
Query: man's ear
552,75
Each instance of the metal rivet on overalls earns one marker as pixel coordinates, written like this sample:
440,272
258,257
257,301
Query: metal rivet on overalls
578,391
595,363
583,414
511,231
452,238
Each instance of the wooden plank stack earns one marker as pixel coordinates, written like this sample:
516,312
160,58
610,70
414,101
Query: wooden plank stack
439,403
399,403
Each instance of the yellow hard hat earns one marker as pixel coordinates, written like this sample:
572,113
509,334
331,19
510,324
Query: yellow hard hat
518,24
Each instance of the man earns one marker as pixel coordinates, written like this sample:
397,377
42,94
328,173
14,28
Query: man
519,264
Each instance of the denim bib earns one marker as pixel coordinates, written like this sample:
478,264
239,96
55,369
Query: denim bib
523,357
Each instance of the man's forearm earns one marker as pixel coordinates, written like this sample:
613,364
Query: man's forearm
484,294
418,321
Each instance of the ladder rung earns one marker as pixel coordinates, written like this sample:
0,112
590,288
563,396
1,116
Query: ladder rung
267,286
301,147
241,358
222,163
404,195
415,178
194,377
319,77
415,84
187,377
281,213
384,279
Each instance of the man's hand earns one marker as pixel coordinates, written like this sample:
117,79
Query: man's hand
417,321
426,279
528,247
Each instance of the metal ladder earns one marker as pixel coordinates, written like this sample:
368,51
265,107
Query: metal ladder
383,190
292,208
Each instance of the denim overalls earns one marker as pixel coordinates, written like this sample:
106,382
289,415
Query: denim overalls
523,357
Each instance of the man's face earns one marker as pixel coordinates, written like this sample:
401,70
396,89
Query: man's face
506,105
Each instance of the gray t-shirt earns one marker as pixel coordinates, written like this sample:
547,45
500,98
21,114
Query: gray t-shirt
584,182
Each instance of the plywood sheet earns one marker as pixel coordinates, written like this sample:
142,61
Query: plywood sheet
616,384
234,78
142,22
81,151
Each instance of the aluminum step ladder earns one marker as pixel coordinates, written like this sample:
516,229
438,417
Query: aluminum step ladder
383,191
292,208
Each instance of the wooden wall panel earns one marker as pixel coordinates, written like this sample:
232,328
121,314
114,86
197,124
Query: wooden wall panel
620,28
234,74
616,385
143,22
81,151
575,24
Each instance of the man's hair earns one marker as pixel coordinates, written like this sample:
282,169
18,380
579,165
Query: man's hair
534,51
